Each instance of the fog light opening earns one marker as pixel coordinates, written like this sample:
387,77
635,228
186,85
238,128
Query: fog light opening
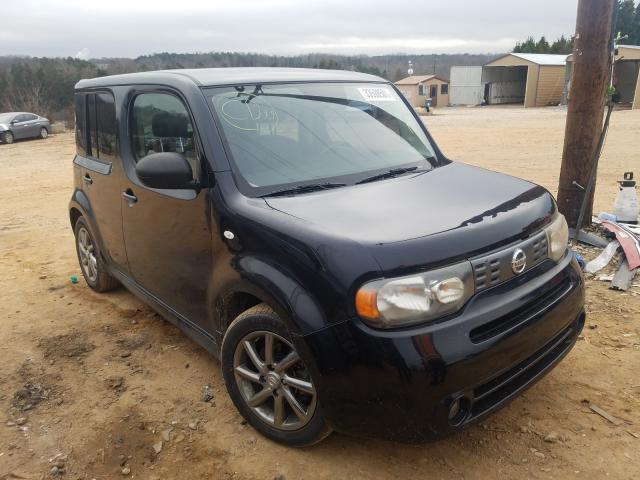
458,411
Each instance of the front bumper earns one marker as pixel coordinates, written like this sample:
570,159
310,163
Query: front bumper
400,384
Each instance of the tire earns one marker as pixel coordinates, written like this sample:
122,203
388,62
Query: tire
44,133
7,137
91,262
277,383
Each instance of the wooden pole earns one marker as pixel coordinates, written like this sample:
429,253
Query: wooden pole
589,82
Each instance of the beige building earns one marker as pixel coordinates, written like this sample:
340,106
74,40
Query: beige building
531,79
417,88
626,75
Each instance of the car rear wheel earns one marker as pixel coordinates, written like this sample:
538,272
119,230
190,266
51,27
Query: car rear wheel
7,137
44,133
269,382
91,263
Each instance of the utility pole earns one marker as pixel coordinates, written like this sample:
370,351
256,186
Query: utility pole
589,82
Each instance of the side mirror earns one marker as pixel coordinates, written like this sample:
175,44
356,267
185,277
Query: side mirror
165,170
14,121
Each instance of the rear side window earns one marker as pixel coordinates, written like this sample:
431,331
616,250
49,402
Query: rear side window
161,123
81,125
92,126
96,125
106,126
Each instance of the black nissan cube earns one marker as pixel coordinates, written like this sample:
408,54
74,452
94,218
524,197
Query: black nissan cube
304,228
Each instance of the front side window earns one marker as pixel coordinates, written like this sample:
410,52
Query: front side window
161,123
288,134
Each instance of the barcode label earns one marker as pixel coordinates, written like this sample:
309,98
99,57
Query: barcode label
377,94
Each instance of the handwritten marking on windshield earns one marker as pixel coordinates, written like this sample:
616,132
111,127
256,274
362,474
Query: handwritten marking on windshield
246,112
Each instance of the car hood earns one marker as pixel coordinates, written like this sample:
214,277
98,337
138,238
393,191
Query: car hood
453,211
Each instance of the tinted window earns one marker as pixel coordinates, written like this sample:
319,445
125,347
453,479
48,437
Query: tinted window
81,128
106,125
92,124
22,118
30,116
161,123
96,125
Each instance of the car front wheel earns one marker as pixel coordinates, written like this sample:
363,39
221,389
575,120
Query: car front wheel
269,382
7,137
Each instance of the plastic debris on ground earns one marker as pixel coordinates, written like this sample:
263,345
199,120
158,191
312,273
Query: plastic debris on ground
619,261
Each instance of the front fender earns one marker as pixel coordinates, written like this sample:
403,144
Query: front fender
265,280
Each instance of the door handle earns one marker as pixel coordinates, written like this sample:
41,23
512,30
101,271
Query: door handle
87,179
129,197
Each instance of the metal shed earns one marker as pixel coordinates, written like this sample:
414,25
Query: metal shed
532,79
626,75
465,84
417,88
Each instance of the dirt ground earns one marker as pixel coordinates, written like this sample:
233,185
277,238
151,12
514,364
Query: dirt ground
98,386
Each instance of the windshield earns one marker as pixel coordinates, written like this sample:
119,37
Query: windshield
6,117
295,134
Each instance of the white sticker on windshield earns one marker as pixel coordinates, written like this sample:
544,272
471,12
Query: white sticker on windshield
377,94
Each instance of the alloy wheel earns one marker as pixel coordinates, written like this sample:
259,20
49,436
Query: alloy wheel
273,380
86,251
44,133
8,137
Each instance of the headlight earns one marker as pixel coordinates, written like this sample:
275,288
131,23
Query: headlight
557,237
3,127
403,301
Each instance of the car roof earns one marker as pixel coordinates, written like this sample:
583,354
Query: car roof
230,76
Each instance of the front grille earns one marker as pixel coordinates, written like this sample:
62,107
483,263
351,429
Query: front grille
547,297
491,393
494,268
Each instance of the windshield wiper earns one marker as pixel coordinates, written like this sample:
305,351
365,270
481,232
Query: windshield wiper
314,187
394,172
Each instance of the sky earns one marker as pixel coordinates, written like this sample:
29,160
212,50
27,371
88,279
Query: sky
128,28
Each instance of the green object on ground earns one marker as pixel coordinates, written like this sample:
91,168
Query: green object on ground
74,279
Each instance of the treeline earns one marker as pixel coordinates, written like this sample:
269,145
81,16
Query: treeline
627,16
628,22
392,67
562,45
42,85
45,85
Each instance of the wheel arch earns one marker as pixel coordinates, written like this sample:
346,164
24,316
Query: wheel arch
74,215
262,282
79,206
